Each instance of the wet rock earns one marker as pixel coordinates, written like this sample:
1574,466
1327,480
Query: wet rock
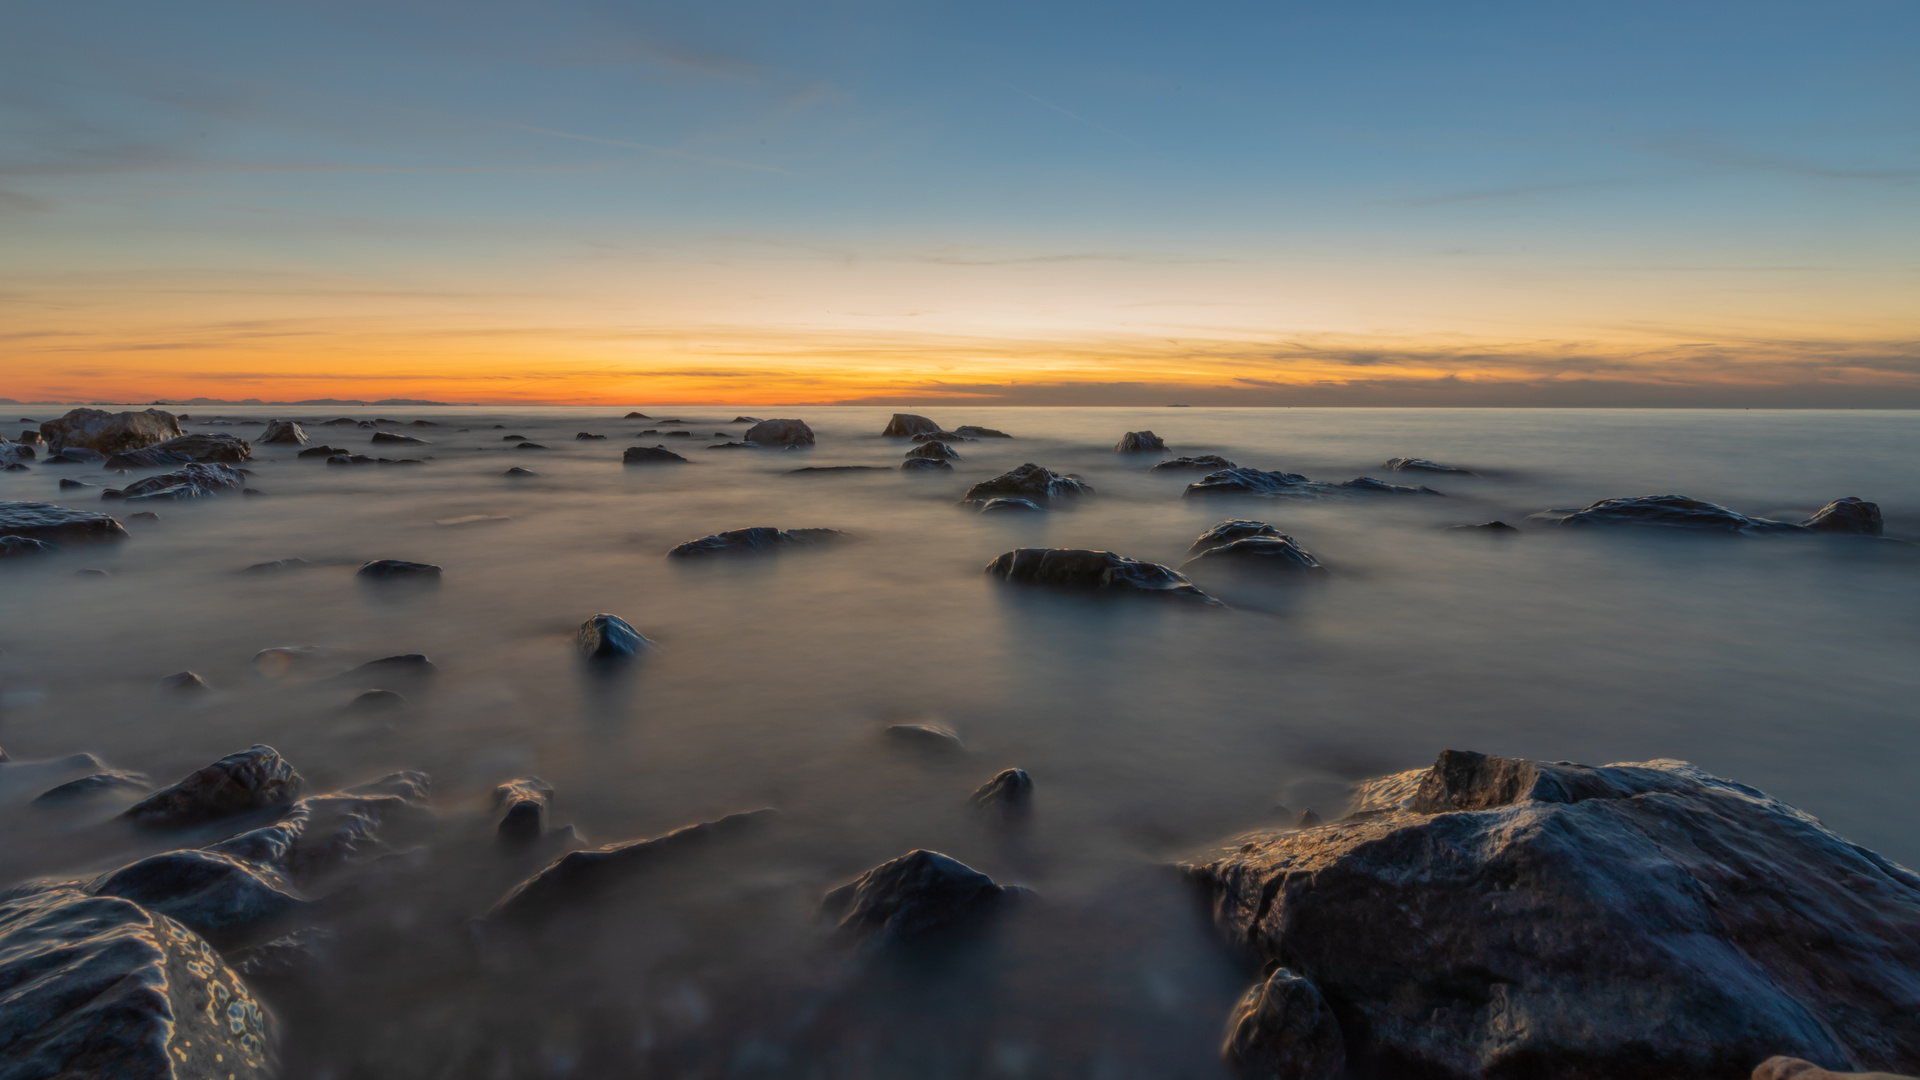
1674,512
917,464
68,484
537,446
203,447
195,481
578,875
587,436
1011,506
779,433
752,541
1489,526
513,438
737,446
110,433
1244,481
97,785
1850,515
941,436
378,701
934,450
1280,554
294,955
98,987
283,433
650,455
1414,464
518,471
1226,532
907,425
1493,917
57,525
609,637
215,895
1140,442
184,682
744,420
257,778
927,738
1787,1068
397,570
1029,481
387,437
919,894
832,468
1075,568
12,547
1010,790
1203,463
15,453
322,452
973,431
32,437
1369,486
1283,1030
525,802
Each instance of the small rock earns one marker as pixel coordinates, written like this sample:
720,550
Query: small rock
91,572
1244,481
1074,568
745,420
145,517
380,437
1308,819
1848,516
17,546
650,455
1489,526
1414,464
756,540
184,682
610,637
1368,485
279,660
916,464
57,524
1283,1028
587,435
525,801
406,665
537,446
513,438
912,897
67,484
93,787
278,565
1203,463
257,778
283,432
780,433
934,450
32,438
907,425
1261,553
972,431
1009,790
941,436
579,874
1029,481
1139,442
518,471
378,701
1226,532
322,451
1014,506
636,416
832,468
397,569
925,737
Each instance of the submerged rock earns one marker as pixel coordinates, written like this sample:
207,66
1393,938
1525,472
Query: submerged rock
518,471
1488,526
1847,516
650,455
109,433
577,875
586,436
283,433
195,481
1011,506
278,565
1140,442
918,464
378,701
779,433
973,431
323,452
1009,790
912,897
206,447
1263,554
1076,568
934,450
907,425
1414,464
537,446
94,786
525,802
1283,1028
1674,512
57,525
925,737
184,682
397,570
832,468
759,539
257,778
1226,532
610,637
17,546
405,665
1203,463
380,437
1029,481
1493,917
1244,481
1369,486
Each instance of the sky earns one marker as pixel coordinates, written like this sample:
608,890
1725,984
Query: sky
760,202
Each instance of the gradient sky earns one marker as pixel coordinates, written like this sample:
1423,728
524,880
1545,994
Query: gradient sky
1103,203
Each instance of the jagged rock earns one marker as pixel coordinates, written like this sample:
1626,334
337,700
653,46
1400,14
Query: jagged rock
1489,526
779,433
109,433
518,471
256,778
974,431
1075,568
184,682
587,436
57,525
17,546
1674,512
1263,554
381,437
909,898
1849,515
907,425
1011,506
1368,485
94,786
1414,464
95,986
610,637
283,432
195,481
577,875
925,737
754,541
1140,442
378,701
525,802
1029,481
1494,917
1244,481
917,464
1226,532
397,570
1009,790
1203,463
934,450
205,447
1283,1030
648,455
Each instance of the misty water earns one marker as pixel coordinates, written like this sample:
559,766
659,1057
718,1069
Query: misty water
1150,728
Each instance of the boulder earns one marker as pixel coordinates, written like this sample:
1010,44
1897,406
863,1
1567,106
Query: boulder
1226,532
779,433
257,778
917,895
1074,568
917,464
215,895
195,481
57,525
1414,464
1848,516
1203,463
70,484
1255,482
185,683
207,447
973,431
650,455
283,433
1140,442
578,875
1261,554
94,786
609,637
1283,1028
1029,481
1009,790
1011,506
934,450
1367,485
907,425
525,802
1495,917
1674,512
110,433
96,986
754,541
397,570
382,437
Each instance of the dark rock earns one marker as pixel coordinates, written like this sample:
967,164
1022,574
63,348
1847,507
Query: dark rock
68,484
257,778
1029,481
322,451
610,637
406,665
525,802
15,546
754,541
295,955
1494,917
1414,464
587,435
283,432
56,524
278,565
1368,485
779,433
651,431
196,481
670,435
1011,506
215,895
518,471
578,875
973,431
636,416
1674,512
14,466
1203,463
930,738
745,420
1283,1028
916,464
1263,554
279,660
1226,532
529,446
145,517
14,453
184,682
380,437
1075,568
378,701
350,459
916,895
32,437
1849,516
1244,481
110,433
150,457
397,569
1009,790
737,446
934,451
58,458
343,421
1308,819
649,455
719,434
907,425
1489,526
513,438
833,468
1139,442
93,787
98,987
941,436
207,447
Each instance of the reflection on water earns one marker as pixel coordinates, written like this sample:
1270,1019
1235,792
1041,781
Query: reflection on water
1147,727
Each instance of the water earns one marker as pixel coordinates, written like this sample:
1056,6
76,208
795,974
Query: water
1149,728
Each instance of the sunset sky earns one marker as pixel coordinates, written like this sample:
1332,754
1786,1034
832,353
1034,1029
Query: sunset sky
1057,203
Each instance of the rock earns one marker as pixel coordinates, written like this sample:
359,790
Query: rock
1283,1030
719,434
1029,481
215,895
907,425
1074,568
1494,917
925,737
184,682
651,431
577,875
518,471
344,421
17,546
397,570
278,565
378,701
941,436
95,986
382,437
422,423
1009,790
1264,554
649,455
1414,464
610,637
68,484
1011,506
110,433
513,438
917,464
322,451
1849,516
257,778
14,453
57,524
1140,442
293,955
1369,486
1786,1068
934,450
972,431
195,481
831,468
14,466
525,801
405,665
779,433
753,541
917,895
1674,512
737,446
636,416
32,437
1308,819
537,446
670,435
93,787
145,517
585,436
202,447
1203,463
1226,532
283,432
744,420
1244,481
1489,526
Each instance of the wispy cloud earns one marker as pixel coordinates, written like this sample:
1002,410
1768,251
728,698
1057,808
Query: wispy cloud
667,151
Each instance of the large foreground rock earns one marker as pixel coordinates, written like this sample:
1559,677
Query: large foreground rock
256,778
1029,481
1493,917
98,987
110,433
57,525
907,425
779,433
1674,512
754,541
1078,568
